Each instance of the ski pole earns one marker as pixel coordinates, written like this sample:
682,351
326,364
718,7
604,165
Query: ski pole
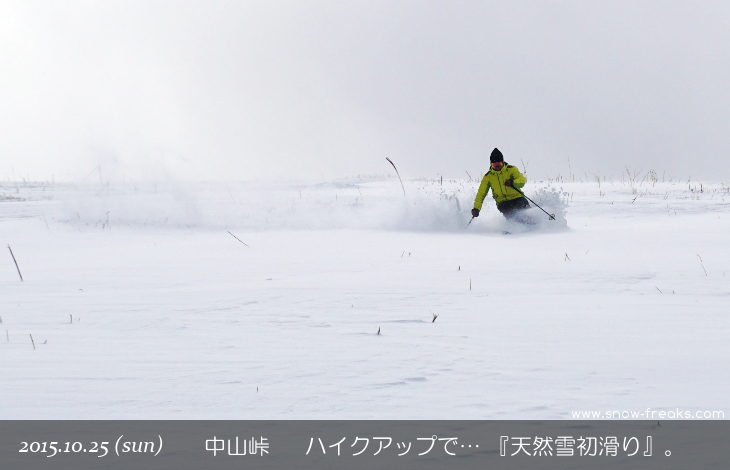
552,216
472,218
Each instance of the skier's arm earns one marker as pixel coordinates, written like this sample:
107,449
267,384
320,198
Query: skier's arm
518,179
482,193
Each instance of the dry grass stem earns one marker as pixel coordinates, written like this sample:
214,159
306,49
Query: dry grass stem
396,172
237,238
16,263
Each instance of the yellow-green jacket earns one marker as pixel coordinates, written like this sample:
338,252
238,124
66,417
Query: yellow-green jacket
495,180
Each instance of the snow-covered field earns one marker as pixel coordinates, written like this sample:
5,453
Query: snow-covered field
142,305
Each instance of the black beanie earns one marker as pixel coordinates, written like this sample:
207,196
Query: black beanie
496,156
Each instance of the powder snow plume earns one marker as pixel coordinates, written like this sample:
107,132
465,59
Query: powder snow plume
428,206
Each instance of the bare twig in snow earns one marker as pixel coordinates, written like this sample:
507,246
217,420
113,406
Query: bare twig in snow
660,291
396,172
567,258
237,238
31,340
16,263
435,316
378,330
702,264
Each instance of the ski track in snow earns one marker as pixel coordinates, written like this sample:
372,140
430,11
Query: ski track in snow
606,308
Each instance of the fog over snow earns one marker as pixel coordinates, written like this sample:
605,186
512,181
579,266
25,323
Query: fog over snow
290,89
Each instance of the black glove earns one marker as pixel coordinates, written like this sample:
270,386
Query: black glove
475,212
508,183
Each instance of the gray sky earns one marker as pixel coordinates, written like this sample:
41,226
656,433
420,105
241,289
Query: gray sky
267,89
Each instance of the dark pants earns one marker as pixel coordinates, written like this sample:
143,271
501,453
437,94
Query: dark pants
511,208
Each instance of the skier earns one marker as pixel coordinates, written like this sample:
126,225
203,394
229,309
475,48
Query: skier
505,180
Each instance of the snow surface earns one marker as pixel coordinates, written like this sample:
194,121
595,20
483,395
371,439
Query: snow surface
608,307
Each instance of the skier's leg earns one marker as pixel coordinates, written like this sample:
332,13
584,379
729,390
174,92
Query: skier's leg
520,215
505,208
511,207
521,203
